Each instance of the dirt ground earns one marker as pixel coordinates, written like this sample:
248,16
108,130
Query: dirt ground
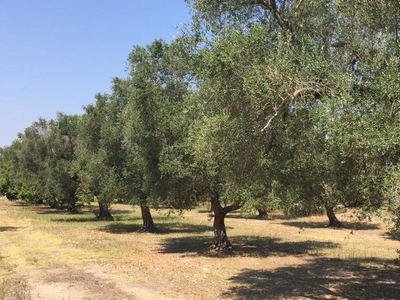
45,254
23,276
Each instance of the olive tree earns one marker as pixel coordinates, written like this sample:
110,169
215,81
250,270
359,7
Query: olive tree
319,77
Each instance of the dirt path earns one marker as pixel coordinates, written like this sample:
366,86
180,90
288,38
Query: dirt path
36,265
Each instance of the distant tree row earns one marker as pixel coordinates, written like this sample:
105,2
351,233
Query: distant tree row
257,105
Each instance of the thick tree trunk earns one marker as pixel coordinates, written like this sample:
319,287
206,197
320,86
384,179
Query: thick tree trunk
104,213
262,213
148,223
333,220
71,207
221,241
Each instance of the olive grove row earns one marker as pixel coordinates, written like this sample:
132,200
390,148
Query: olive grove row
256,105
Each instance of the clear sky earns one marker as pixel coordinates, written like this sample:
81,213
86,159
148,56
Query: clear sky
55,55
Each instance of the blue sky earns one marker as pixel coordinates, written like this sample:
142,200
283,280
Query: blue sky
55,55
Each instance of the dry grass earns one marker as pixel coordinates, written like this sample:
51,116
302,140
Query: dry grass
273,259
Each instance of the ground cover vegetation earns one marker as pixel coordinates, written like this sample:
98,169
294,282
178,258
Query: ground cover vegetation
257,105
47,254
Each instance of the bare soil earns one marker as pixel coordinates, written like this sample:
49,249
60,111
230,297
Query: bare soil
46,254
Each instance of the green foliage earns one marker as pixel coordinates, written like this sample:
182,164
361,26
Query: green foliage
154,124
41,162
321,77
12,194
5,177
84,195
28,194
99,154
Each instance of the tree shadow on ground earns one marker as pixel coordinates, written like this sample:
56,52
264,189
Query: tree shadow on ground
245,246
179,227
304,224
83,218
81,210
77,219
120,228
53,211
395,236
320,278
21,203
267,246
348,225
44,209
249,217
91,216
169,228
255,216
186,245
9,228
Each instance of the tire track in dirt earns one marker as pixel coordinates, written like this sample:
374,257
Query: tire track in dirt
74,283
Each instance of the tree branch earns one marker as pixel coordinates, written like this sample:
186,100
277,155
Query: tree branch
216,205
278,111
285,103
232,207
272,7
299,4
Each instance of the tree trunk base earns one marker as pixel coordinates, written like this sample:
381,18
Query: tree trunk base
148,223
336,224
107,217
149,229
221,247
333,220
104,213
72,211
221,241
71,208
262,214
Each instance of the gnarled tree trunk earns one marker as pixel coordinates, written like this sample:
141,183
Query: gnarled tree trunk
72,199
262,213
221,241
148,223
72,205
333,220
104,212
